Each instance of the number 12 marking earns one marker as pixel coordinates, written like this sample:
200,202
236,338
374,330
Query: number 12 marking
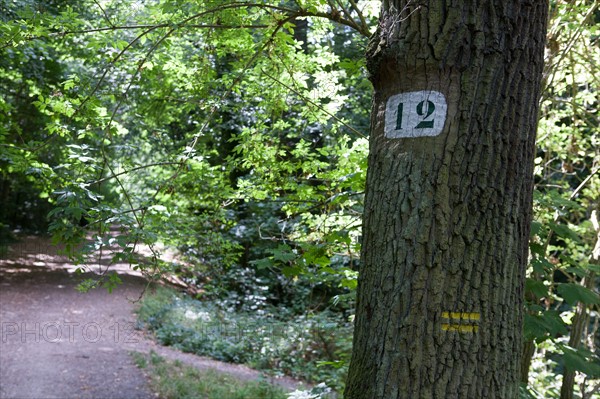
424,124
415,114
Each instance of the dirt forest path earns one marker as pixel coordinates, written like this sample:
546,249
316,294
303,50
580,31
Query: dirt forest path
59,343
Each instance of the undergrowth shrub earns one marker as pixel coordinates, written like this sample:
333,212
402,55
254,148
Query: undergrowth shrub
314,347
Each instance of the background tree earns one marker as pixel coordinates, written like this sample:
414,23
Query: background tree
562,282
446,222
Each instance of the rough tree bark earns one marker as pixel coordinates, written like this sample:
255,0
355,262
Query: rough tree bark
447,213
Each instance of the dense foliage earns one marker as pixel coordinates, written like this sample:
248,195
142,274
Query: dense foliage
235,132
310,347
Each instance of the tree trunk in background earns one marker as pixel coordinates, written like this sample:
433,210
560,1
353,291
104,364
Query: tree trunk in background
448,199
581,319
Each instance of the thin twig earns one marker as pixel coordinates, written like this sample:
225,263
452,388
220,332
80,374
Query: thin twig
104,12
133,170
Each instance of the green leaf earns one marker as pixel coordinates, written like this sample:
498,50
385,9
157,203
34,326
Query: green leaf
536,227
335,364
87,285
283,253
349,283
339,236
537,248
541,265
263,263
564,231
291,271
536,287
113,281
316,255
573,293
581,360
544,325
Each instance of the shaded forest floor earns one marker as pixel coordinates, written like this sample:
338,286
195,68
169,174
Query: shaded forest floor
59,343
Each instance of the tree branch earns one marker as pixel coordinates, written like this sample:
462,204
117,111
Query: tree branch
133,170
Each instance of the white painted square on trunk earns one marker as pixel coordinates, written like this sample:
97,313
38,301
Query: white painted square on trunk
415,114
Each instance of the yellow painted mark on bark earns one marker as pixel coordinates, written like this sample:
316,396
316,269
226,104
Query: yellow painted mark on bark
461,316
462,322
463,328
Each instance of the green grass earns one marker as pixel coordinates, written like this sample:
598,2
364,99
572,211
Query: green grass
174,380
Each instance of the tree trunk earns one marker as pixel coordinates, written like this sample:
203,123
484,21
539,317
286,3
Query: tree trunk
526,359
582,317
448,199
578,327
